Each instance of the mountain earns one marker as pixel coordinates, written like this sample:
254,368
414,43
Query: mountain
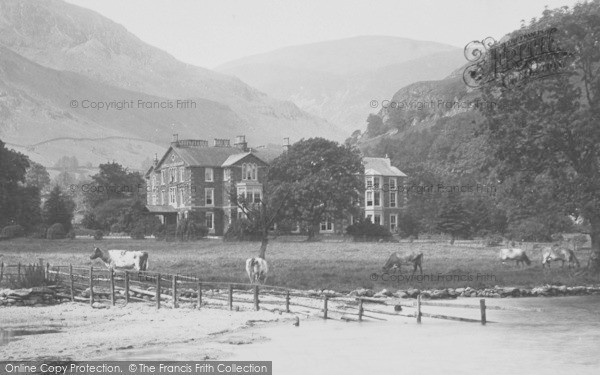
338,79
52,53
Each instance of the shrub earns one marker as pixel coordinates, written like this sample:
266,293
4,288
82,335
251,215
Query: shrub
39,231
98,234
138,232
32,276
71,235
84,232
56,231
117,228
368,231
242,230
12,231
408,225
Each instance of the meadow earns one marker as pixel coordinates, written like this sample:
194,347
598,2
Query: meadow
340,266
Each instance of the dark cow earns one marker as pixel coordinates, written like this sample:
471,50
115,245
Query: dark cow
396,260
556,254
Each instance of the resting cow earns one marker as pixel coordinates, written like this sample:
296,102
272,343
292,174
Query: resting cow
396,260
122,259
517,255
257,270
554,254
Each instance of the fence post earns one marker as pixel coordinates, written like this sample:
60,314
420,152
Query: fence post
287,301
325,306
47,270
482,307
91,285
112,287
1,270
256,298
158,291
174,287
419,308
19,271
199,294
230,297
126,286
57,274
72,283
360,310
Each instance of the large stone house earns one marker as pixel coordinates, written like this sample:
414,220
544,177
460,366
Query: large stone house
193,176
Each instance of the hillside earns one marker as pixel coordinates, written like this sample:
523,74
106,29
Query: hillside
337,80
53,52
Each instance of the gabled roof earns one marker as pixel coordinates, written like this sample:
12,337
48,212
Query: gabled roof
206,156
232,159
381,166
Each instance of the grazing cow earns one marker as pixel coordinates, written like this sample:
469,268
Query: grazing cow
257,270
517,255
122,259
555,254
396,260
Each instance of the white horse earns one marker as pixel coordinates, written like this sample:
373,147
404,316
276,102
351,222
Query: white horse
257,270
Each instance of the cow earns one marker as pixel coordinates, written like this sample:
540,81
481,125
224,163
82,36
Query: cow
122,259
396,260
555,254
517,255
257,270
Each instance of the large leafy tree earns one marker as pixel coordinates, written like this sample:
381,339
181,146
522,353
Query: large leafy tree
545,133
13,167
113,181
58,209
323,178
37,176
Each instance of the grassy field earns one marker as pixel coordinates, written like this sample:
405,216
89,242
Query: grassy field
341,266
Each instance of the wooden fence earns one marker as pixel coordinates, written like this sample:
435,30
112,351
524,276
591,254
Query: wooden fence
90,285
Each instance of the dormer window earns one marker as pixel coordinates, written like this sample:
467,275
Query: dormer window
249,171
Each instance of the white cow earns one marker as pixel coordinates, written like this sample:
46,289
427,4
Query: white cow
518,255
257,270
122,259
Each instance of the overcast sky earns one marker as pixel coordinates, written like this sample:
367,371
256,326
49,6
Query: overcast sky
209,33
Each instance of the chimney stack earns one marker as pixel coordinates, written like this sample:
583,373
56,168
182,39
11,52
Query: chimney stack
286,143
175,140
240,142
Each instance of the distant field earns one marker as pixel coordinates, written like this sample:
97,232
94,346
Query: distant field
341,266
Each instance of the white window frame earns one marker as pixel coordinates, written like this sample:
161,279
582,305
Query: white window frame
376,182
181,197
393,203
181,174
227,174
369,216
376,197
209,175
210,224
209,192
163,173
369,183
369,193
393,222
326,226
172,175
173,196
375,217
393,184
249,170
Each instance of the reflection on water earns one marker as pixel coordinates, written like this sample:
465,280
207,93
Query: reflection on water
562,339
7,335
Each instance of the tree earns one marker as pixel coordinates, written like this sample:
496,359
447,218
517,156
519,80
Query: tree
375,125
261,215
58,209
13,166
37,176
324,180
113,181
454,219
547,129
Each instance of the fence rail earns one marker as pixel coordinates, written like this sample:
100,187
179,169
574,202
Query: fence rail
89,284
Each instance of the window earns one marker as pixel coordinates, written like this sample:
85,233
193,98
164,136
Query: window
393,222
376,182
370,183
377,198
210,220
327,226
370,218
163,174
227,174
154,199
181,197
209,196
249,172
181,174
172,196
208,174
163,201
393,198
173,174
377,219
369,198
393,184
250,194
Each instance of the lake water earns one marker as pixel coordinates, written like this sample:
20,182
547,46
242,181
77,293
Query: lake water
562,339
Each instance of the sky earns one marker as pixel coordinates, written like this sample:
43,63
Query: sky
210,33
